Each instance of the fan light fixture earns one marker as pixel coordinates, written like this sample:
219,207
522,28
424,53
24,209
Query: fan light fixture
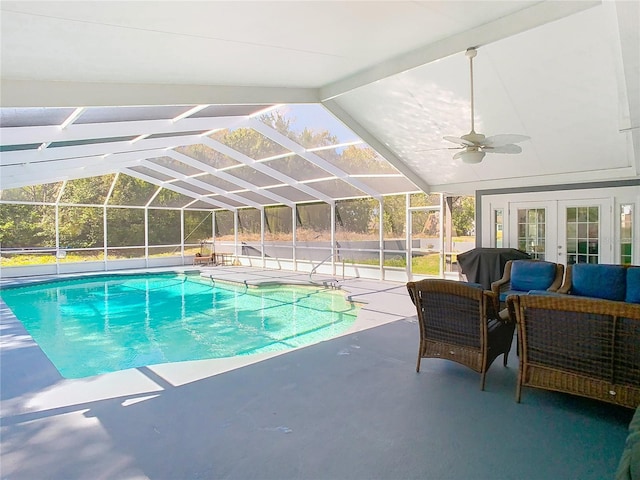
474,146
472,156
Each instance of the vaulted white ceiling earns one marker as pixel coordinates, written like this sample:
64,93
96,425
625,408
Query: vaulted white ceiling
566,74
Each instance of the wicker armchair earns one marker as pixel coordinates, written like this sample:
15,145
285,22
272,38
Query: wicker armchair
459,322
582,346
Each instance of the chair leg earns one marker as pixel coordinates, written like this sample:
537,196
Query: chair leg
482,378
505,358
519,384
418,365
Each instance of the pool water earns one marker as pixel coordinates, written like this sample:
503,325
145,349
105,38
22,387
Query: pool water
104,324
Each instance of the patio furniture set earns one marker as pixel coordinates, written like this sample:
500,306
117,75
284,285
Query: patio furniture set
577,332
220,258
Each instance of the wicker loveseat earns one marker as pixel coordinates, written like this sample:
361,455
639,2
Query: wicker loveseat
609,282
583,346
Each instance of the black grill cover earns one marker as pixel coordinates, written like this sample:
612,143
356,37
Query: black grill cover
486,265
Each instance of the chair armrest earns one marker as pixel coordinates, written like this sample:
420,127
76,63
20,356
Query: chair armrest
411,288
566,283
501,285
513,304
557,283
504,283
493,304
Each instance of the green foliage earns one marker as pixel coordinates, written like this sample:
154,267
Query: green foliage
132,219
81,227
425,199
356,216
27,225
91,190
463,215
394,216
249,223
278,220
44,193
197,226
314,216
164,227
224,223
131,191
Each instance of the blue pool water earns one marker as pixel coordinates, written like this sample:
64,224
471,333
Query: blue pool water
104,324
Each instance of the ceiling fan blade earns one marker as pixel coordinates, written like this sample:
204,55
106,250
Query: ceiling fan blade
441,148
510,148
459,141
504,139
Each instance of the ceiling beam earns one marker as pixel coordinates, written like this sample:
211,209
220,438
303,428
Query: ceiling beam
525,19
74,132
33,93
590,176
79,152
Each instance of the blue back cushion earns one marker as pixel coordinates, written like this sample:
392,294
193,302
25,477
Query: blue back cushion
599,281
532,275
633,285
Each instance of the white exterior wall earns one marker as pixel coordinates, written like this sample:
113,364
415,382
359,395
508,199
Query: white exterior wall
610,196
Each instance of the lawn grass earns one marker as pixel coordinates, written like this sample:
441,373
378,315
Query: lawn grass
424,264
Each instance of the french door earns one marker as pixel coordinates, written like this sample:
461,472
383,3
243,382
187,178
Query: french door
532,228
566,231
584,231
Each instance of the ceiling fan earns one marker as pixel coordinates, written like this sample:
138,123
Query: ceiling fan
474,146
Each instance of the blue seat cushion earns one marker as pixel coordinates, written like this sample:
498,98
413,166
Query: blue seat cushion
506,293
599,281
532,275
633,285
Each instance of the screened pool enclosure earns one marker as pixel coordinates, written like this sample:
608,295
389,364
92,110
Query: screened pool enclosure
273,186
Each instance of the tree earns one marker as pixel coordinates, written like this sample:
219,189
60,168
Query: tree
463,215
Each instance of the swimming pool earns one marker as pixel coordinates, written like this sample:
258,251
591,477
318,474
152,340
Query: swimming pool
95,325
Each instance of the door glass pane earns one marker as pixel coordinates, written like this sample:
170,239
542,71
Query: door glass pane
531,231
626,234
583,234
498,225
582,214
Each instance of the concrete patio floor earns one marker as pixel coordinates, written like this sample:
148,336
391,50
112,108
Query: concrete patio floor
348,408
